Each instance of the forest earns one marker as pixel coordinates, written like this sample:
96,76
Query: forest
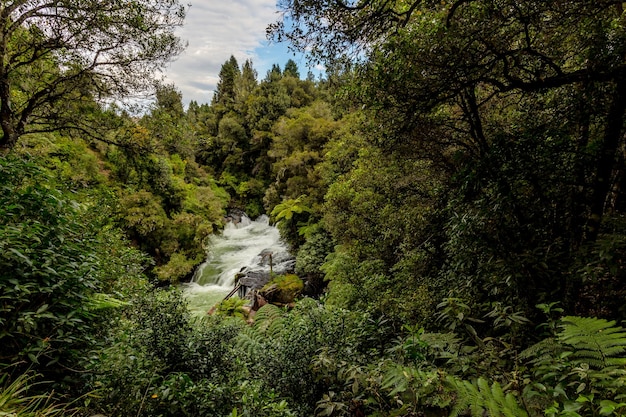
454,188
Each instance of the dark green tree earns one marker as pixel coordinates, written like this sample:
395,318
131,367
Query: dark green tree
225,92
291,69
297,147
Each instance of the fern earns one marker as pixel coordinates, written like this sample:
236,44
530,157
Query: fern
597,342
251,342
479,398
286,209
268,323
585,360
548,347
398,378
269,320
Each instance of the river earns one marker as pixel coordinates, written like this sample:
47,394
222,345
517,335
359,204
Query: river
239,248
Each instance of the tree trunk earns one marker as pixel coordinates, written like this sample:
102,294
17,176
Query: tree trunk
9,135
607,159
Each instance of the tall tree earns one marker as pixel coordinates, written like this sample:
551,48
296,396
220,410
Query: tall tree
247,82
168,123
61,54
291,69
225,93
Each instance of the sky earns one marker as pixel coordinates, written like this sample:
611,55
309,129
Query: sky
217,29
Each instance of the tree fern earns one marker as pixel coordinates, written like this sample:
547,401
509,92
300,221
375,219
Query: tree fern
250,341
597,342
479,398
268,323
581,367
286,209
547,347
269,320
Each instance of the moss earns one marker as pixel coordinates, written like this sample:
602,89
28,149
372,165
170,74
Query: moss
282,289
232,307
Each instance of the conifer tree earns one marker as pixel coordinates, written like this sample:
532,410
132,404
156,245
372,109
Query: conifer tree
225,92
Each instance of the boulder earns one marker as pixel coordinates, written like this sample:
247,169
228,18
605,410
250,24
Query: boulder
282,289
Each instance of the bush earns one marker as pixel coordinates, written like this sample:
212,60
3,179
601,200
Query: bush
162,362
48,270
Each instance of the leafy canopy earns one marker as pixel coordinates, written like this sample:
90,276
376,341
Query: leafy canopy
58,57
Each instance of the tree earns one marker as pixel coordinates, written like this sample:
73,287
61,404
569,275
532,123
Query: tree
63,55
225,93
291,69
297,147
245,84
168,123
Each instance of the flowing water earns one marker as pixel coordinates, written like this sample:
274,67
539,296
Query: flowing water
240,248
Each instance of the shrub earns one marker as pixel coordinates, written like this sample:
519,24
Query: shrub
49,261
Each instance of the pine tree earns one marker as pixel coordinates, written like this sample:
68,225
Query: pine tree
225,92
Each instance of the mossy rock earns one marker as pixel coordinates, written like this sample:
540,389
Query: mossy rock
282,289
232,307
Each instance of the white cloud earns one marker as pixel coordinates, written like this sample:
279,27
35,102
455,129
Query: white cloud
215,30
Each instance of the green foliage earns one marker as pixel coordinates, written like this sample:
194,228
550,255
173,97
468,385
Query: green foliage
49,269
173,218
290,215
233,307
268,320
479,397
382,214
161,362
225,93
311,256
597,342
280,345
296,149
16,400
287,209
580,371
269,323
167,123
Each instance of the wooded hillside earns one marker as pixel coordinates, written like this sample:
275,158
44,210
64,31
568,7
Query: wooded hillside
454,187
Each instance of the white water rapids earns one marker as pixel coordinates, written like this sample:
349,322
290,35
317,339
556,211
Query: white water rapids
238,249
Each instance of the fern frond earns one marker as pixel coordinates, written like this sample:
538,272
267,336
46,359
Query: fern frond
397,378
100,301
250,341
547,346
598,342
479,397
269,320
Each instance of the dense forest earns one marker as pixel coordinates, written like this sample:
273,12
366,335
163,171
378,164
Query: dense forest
454,188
